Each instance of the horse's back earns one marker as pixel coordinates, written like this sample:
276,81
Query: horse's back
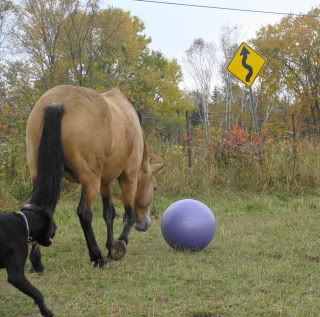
100,134
86,118
121,107
127,141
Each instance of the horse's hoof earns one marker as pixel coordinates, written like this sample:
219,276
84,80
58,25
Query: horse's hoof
118,250
102,262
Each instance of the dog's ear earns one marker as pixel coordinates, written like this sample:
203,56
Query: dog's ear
35,208
47,212
31,207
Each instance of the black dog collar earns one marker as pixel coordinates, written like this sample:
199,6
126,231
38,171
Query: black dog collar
29,239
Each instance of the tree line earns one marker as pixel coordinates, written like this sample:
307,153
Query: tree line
286,93
77,42
45,43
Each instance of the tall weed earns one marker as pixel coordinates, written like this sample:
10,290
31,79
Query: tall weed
234,161
238,161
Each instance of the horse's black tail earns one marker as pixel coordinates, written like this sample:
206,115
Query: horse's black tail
50,167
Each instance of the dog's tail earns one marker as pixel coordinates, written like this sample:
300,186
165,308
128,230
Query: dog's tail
50,165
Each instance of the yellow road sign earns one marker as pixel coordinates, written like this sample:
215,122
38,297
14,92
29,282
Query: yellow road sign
246,64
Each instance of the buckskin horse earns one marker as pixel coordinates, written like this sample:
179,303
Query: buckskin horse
91,139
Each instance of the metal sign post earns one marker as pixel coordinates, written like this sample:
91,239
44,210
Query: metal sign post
253,107
246,65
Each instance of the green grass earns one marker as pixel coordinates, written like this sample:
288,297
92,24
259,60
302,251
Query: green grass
263,261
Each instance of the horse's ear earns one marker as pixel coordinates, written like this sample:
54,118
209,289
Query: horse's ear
156,167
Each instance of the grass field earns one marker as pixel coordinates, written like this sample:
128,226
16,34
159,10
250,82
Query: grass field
263,261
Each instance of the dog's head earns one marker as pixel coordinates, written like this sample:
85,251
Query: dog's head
47,231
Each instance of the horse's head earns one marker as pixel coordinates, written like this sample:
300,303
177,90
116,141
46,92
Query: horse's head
146,188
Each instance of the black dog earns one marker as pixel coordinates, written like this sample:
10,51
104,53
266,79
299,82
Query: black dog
17,229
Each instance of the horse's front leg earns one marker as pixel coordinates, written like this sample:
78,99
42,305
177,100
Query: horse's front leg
84,211
128,193
119,247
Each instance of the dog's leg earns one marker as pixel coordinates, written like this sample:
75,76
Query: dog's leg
35,259
17,278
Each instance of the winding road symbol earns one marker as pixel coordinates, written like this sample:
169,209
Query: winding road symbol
244,53
246,64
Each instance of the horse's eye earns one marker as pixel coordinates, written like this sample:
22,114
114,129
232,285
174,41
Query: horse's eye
155,188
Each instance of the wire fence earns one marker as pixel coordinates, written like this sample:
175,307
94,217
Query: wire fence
172,129
238,141
183,131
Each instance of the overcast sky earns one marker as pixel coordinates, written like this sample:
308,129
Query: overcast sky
173,28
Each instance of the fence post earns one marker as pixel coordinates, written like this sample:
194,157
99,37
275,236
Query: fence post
189,144
294,151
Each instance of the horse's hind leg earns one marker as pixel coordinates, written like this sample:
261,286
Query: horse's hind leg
35,259
84,210
108,215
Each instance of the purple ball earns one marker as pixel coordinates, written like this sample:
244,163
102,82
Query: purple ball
188,225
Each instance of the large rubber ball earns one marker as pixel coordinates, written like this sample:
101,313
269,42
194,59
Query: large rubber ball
188,225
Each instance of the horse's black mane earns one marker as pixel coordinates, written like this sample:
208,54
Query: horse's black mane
140,116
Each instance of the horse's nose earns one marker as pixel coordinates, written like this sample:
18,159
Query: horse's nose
143,226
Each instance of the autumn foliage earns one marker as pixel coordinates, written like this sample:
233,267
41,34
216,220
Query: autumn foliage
83,44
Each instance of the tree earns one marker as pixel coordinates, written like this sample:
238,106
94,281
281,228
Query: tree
94,36
6,8
234,95
291,48
237,105
15,89
39,34
76,42
153,84
123,48
215,95
200,61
